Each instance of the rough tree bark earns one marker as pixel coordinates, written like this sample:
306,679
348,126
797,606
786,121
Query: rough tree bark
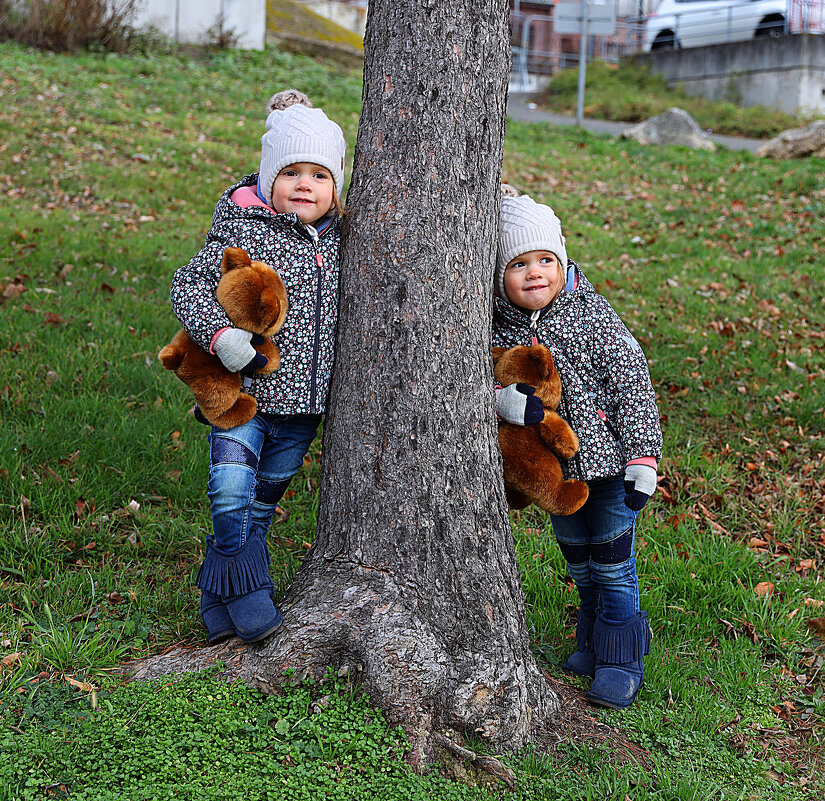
412,584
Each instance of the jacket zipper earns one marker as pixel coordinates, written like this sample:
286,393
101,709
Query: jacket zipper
534,324
534,319
316,340
577,461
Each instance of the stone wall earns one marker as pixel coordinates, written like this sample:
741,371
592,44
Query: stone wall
785,73
190,21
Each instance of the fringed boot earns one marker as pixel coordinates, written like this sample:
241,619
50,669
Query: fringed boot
619,650
236,590
583,662
219,626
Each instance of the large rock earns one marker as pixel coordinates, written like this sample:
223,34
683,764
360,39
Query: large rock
796,143
672,127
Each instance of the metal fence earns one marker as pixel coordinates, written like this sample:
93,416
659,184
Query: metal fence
539,50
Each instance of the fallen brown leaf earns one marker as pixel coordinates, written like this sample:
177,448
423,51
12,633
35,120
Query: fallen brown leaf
84,686
12,659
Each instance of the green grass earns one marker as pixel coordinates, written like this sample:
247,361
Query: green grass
715,262
631,93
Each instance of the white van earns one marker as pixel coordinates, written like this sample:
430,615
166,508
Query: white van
694,23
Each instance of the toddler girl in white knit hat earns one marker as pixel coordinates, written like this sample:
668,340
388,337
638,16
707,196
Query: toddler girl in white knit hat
542,297
288,216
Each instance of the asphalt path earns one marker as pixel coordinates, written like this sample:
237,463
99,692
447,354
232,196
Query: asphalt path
519,109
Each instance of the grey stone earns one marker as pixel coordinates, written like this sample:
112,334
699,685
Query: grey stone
672,127
796,143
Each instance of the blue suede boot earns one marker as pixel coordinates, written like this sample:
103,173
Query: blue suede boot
240,580
219,626
583,662
619,650
253,614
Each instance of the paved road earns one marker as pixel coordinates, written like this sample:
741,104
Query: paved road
518,108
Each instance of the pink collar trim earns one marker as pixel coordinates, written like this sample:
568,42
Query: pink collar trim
246,197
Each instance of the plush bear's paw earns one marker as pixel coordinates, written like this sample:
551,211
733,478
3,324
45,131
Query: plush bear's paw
242,411
273,356
558,436
170,357
564,499
567,447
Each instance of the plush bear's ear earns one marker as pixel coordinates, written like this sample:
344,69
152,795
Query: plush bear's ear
234,258
543,361
516,358
498,353
533,364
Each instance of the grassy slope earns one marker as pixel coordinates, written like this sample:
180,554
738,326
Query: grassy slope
713,260
290,18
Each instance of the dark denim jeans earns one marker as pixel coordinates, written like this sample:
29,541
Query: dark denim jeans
598,544
250,468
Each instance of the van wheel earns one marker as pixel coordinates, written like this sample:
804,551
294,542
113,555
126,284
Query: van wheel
665,40
770,26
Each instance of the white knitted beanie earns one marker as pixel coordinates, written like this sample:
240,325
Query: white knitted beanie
301,134
525,225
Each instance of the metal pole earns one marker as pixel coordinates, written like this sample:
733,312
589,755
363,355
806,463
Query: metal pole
525,44
582,66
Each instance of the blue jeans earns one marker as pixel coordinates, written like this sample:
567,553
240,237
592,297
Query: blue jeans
250,468
598,544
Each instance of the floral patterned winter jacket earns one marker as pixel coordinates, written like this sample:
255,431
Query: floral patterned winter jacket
607,397
308,267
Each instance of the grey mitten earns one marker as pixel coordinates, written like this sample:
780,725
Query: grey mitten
639,485
233,347
517,404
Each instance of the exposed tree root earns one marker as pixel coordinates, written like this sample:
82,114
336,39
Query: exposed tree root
423,678
485,762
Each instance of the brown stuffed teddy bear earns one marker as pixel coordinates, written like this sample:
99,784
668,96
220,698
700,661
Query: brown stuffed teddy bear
254,298
532,473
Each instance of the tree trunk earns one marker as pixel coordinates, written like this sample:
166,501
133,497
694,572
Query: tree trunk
412,584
